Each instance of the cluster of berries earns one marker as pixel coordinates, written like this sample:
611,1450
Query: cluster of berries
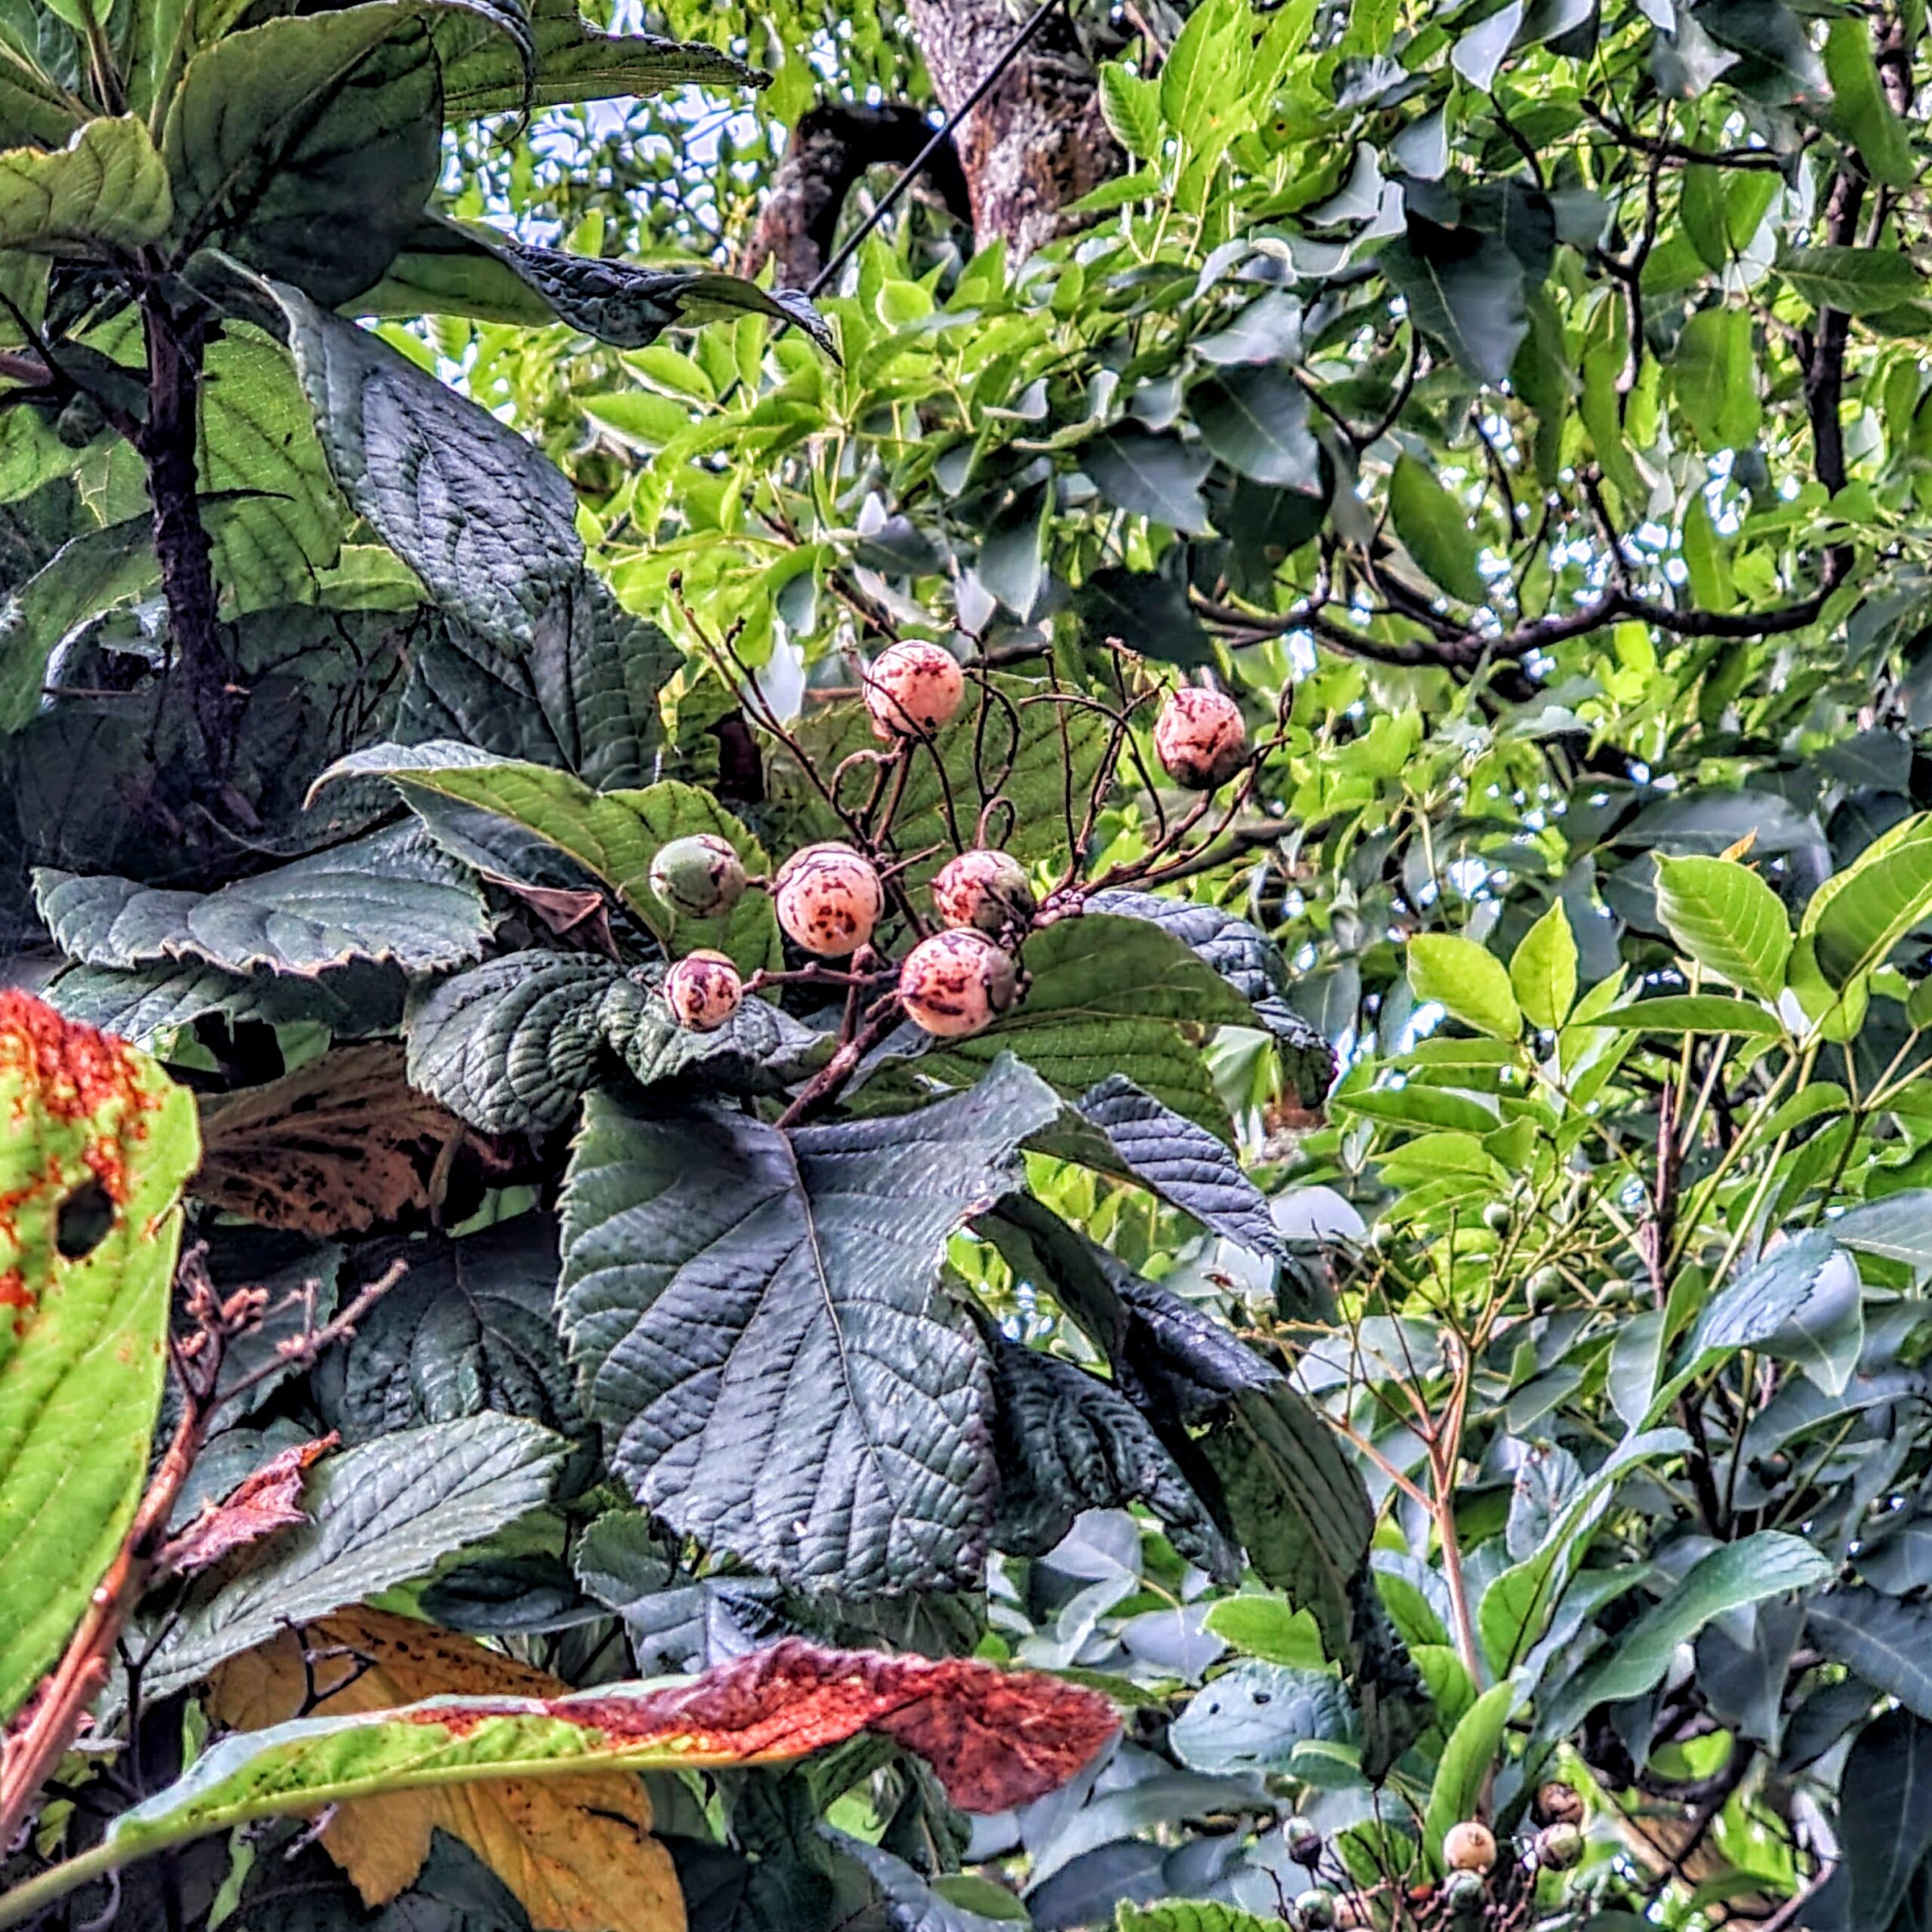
828,896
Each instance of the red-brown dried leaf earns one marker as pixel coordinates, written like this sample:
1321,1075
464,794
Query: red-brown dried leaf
268,1500
996,1738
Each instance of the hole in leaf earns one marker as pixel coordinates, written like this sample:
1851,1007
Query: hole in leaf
84,1218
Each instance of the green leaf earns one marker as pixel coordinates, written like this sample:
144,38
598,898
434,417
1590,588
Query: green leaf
1727,919
106,189
962,1716
1885,1640
1156,477
1466,290
1858,281
1200,80
1856,918
1255,419
777,1370
1692,1013
1884,1814
1467,1758
1801,1303
1253,1716
451,268
1859,106
511,1046
1107,992
391,895
612,835
81,1335
1266,1628
576,62
142,1004
305,147
1469,982
486,523
1766,1564
1478,53
1435,530
380,1514
1132,108
1189,1915
1542,970
1715,377
1899,1227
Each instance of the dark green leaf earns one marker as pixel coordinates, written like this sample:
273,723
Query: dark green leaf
775,1368
141,1003
1886,1640
1157,477
1435,530
1466,290
1147,612
1885,1814
1256,420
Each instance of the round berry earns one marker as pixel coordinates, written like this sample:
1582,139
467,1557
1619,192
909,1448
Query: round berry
1497,1217
1559,1847
912,689
1316,1909
1464,1894
988,890
1199,738
700,876
1557,1803
828,898
956,982
704,990
1469,1847
1303,1840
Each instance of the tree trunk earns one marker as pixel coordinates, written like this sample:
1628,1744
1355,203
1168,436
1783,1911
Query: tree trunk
1038,140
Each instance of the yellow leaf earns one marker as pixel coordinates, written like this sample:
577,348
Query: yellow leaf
577,1852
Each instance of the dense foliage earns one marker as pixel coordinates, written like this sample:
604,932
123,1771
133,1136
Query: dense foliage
1374,1234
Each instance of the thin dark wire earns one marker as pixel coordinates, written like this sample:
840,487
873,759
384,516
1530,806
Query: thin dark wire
827,275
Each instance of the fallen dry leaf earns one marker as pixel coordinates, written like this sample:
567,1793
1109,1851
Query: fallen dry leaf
576,1851
340,1145
257,1506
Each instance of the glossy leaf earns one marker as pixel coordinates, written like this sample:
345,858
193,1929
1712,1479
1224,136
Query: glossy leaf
1469,982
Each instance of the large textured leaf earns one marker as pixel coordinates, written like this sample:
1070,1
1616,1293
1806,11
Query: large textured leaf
1249,962
105,189
1885,1640
452,270
577,62
1190,1915
468,1329
337,1147
1109,993
81,1336
612,835
515,1043
995,1739
305,147
1183,1164
143,1003
391,895
381,1514
758,1319
1253,1715
577,1852
583,697
1885,1814
1066,1441
480,517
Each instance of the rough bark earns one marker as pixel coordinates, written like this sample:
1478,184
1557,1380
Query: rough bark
1038,139
832,146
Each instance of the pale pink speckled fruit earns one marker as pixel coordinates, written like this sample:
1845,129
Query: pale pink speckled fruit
986,889
1200,738
704,990
956,982
912,689
828,898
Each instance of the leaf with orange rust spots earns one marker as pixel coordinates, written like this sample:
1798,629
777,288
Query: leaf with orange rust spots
576,1851
95,1143
343,1144
510,1771
268,1500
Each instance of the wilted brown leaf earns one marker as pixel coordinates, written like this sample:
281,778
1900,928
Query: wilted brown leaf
577,1851
257,1506
340,1145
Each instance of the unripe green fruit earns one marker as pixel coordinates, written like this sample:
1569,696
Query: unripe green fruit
1469,1847
1497,1218
957,983
704,990
1316,1909
1200,738
828,898
1464,1894
986,890
912,689
701,877
1303,1840
1559,1847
